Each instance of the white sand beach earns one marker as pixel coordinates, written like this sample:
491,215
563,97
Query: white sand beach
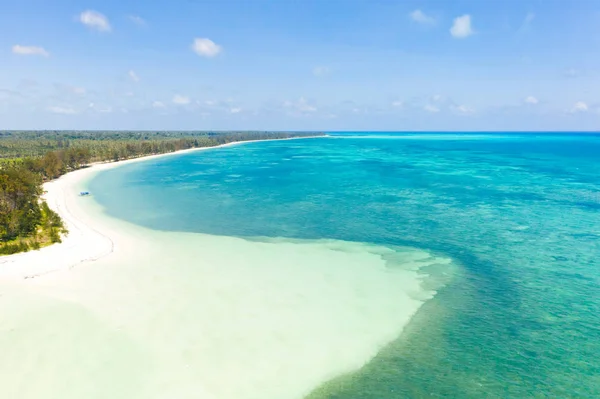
120,311
83,243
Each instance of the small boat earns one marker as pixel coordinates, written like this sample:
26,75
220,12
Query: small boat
84,193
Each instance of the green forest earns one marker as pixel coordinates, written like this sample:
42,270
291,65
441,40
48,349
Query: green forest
29,158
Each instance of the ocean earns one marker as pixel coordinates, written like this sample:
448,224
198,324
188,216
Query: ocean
358,265
517,312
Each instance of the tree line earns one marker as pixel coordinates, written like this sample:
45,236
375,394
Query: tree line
28,159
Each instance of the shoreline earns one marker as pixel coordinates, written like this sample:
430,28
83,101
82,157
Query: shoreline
241,308
84,242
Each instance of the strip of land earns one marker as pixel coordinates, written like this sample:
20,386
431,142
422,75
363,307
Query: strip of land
118,310
28,159
86,240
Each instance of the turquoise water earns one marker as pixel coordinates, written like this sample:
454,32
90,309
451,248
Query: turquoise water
520,215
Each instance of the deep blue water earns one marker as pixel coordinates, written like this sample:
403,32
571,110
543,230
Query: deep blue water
519,213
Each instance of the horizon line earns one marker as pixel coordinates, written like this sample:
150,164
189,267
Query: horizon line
296,131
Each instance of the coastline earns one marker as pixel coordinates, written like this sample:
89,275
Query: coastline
180,314
84,242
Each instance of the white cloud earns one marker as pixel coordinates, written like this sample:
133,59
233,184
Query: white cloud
431,108
62,110
304,106
206,47
531,100
397,104
461,27
133,76
321,71
158,104
102,110
300,107
139,21
579,106
66,90
422,18
95,20
227,105
463,109
181,100
30,50
437,98
77,90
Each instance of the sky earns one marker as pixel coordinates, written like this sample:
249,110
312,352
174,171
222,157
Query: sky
458,65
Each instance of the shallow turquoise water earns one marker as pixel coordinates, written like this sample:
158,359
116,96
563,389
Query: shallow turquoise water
519,213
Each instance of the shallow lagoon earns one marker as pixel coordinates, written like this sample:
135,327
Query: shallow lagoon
519,214
351,266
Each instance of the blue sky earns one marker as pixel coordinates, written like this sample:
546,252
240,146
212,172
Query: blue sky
300,65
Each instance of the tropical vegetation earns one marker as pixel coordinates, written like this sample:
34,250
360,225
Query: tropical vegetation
29,158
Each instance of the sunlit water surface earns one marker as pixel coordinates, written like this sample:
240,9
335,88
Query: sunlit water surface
518,214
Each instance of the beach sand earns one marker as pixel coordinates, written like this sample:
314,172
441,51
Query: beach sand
83,242
120,311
